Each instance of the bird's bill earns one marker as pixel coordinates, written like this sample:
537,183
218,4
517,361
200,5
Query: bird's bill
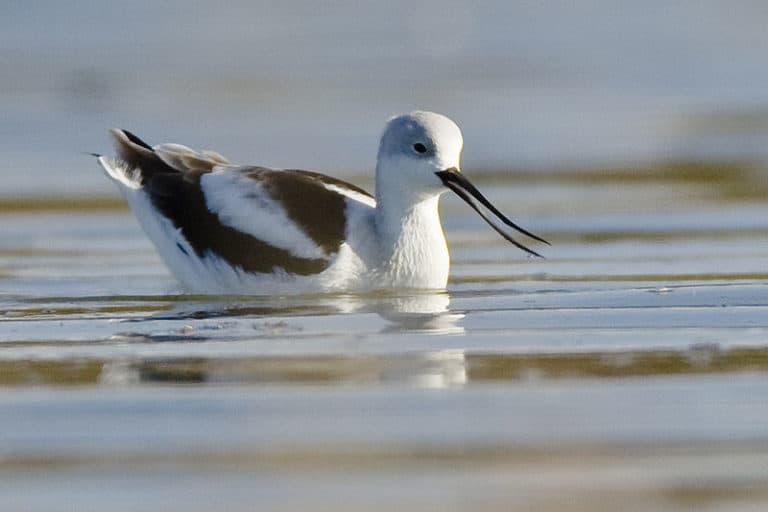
458,183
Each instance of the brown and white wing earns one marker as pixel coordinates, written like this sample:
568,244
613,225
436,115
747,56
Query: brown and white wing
254,218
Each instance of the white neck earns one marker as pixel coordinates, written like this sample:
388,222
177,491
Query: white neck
415,254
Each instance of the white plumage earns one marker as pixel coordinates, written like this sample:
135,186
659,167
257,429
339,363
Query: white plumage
222,228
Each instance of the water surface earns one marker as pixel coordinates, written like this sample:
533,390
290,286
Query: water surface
626,371
627,367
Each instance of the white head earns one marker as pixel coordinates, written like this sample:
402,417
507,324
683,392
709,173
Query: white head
413,148
420,158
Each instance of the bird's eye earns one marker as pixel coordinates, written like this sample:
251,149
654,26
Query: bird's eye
419,148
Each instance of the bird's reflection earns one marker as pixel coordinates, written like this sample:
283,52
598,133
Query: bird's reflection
435,369
417,311
426,312
241,325
430,369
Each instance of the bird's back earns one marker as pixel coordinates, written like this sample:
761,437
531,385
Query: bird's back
221,227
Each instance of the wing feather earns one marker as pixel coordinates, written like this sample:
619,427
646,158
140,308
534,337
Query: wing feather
254,218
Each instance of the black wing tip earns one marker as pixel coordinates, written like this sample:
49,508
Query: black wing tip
135,139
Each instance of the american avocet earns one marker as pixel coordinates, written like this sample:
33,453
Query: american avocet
225,228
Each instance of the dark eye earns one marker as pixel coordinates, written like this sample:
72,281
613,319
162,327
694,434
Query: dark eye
419,148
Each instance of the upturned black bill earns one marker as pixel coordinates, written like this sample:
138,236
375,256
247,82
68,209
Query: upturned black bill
458,183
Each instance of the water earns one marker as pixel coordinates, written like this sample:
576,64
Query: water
625,371
627,368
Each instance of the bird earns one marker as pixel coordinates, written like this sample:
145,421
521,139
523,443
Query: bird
223,228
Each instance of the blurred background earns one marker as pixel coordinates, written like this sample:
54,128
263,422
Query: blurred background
533,85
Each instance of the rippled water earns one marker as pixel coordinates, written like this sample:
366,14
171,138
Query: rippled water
627,371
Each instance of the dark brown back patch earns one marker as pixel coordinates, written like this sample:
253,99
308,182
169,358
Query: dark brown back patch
319,212
182,201
178,196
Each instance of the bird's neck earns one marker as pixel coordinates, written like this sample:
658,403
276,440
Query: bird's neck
415,254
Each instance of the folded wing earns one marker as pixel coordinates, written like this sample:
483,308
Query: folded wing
254,218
